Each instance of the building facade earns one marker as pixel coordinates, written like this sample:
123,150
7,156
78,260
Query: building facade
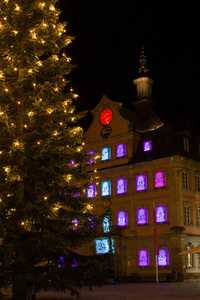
147,160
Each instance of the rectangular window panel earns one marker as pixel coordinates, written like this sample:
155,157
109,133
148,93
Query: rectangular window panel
106,188
142,216
106,224
163,258
122,218
161,214
141,183
147,146
91,190
105,154
185,180
90,158
160,179
198,216
143,258
197,182
121,186
186,144
121,150
187,212
104,245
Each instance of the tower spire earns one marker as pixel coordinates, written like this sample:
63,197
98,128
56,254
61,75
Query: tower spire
142,61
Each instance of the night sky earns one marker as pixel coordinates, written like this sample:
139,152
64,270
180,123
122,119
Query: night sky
109,35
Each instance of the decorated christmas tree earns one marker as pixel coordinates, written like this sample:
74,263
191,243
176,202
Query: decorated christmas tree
45,215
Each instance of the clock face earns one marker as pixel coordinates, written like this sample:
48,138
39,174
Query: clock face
106,117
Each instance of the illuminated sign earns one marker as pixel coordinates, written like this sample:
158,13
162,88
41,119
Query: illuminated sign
91,190
143,258
163,258
106,188
122,218
160,179
121,150
147,146
142,216
161,214
141,183
104,245
105,153
121,186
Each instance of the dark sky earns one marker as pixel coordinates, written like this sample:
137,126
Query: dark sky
109,35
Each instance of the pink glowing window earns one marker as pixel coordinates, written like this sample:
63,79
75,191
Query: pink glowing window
163,258
142,216
90,158
91,190
160,179
143,258
121,186
141,183
121,150
122,218
147,146
161,214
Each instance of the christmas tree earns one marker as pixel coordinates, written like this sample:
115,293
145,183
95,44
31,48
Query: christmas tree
45,215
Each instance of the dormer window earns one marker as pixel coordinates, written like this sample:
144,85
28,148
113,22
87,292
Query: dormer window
185,144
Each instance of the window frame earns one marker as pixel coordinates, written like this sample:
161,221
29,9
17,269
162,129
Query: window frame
185,180
187,213
186,144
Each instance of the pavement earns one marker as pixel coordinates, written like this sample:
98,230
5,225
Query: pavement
130,291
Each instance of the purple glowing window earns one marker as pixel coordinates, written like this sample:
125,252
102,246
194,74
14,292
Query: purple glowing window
106,188
161,214
163,258
121,186
91,190
147,146
141,182
105,153
122,218
72,162
160,179
91,159
142,216
121,150
104,245
143,258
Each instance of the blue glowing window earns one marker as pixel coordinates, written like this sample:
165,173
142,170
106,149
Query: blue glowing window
105,153
106,188
104,245
106,224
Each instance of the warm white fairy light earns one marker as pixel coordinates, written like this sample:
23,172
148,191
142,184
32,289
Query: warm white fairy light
15,32
30,113
34,84
17,7
38,142
15,69
6,90
45,197
18,102
30,71
51,7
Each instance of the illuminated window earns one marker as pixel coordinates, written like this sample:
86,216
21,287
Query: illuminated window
189,255
121,150
185,180
163,258
141,183
107,223
105,153
122,218
197,182
104,245
121,186
106,188
90,158
91,190
147,146
160,179
143,258
142,216
161,214
185,145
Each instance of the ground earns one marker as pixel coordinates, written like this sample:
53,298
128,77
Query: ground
130,291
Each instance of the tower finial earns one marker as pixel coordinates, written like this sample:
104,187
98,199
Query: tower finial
142,61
